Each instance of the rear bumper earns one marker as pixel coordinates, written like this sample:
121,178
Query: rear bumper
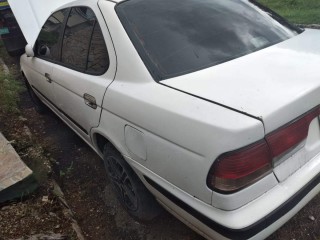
255,220
259,229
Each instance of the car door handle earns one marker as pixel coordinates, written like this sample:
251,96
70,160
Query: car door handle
90,101
48,78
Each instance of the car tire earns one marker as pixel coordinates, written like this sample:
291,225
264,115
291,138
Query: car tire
38,105
129,189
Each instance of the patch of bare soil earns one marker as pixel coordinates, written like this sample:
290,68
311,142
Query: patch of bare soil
41,212
33,216
81,175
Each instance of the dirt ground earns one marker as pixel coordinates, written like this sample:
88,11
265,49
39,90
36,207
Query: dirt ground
80,173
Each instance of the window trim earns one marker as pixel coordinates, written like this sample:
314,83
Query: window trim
60,63
59,41
90,45
90,42
63,32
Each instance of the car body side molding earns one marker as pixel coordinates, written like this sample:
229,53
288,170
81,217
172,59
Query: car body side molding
71,119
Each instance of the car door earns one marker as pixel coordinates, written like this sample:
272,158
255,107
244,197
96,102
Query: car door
87,68
38,69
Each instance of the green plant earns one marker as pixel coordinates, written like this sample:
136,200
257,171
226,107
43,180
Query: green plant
10,87
9,93
67,171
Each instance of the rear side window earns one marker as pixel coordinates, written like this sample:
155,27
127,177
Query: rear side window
48,42
77,37
98,59
175,37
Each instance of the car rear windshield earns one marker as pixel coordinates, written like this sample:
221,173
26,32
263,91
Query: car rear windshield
176,37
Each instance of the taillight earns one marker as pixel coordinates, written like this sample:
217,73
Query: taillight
289,136
236,170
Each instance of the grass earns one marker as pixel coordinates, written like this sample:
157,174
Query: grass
9,88
296,11
9,93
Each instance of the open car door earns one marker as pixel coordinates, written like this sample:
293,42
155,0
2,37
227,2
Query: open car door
32,14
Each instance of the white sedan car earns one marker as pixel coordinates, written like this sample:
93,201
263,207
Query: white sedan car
212,106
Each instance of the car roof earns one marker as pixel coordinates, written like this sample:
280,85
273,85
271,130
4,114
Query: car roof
115,1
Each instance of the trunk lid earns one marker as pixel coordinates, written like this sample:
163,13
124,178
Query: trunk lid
276,84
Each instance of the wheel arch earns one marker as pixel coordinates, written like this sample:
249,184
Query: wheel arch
26,81
100,139
149,208
24,76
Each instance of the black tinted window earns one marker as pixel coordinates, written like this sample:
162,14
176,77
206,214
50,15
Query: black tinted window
98,59
176,37
49,38
77,36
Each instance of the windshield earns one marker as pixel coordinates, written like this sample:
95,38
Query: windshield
176,37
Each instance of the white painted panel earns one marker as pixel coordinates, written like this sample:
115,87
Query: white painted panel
135,142
295,160
276,84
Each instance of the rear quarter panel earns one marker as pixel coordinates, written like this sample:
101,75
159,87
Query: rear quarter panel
183,134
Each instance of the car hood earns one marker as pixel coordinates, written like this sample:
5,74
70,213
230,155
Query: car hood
276,84
32,14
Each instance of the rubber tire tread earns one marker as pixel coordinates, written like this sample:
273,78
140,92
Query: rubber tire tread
148,208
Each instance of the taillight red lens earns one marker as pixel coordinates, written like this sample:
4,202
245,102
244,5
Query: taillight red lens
289,136
235,170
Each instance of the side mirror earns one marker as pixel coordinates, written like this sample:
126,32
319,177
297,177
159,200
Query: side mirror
44,51
29,51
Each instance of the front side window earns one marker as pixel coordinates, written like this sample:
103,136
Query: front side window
175,37
48,42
